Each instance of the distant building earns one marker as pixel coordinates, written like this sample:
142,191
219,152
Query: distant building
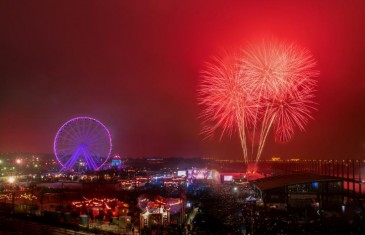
300,191
154,161
116,162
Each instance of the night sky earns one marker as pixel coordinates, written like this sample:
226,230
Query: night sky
134,65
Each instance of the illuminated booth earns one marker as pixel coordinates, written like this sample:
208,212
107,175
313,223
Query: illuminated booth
157,211
104,210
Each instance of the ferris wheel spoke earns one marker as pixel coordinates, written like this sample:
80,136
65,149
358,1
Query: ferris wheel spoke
93,153
95,160
71,131
63,154
71,158
91,129
81,130
89,158
75,130
92,139
94,165
69,135
68,151
62,158
97,139
66,137
67,148
66,155
71,161
98,133
98,157
100,142
74,133
93,145
101,151
76,157
88,164
83,127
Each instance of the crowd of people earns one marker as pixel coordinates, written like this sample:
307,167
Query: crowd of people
224,209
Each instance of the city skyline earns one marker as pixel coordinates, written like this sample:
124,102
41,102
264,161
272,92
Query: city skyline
135,66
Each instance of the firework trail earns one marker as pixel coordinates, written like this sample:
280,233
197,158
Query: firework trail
281,75
226,100
265,86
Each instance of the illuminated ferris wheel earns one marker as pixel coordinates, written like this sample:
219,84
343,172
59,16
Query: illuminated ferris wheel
82,143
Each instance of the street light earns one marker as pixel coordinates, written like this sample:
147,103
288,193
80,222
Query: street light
11,181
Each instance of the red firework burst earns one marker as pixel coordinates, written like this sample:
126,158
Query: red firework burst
224,96
274,67
292,109
269,84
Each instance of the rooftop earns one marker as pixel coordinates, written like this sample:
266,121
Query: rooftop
284,180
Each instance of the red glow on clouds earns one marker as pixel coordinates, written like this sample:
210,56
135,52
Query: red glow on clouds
135,66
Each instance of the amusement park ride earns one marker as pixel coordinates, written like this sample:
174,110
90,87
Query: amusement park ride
81,144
